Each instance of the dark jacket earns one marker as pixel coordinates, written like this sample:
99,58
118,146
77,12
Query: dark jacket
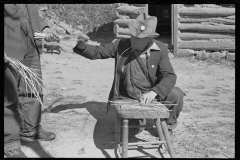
161,73
13,45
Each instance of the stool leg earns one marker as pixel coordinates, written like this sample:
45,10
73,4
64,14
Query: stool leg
168,140
117,131
125,139
160,132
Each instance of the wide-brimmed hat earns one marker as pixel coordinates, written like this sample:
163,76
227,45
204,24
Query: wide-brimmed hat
143,26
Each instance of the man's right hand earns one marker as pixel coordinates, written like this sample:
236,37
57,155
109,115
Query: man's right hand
82,37
81,40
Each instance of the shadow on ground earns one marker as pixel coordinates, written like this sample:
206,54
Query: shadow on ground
103,127
104,131
37,147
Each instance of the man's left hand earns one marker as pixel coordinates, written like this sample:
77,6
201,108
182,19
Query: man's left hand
50,35
148,97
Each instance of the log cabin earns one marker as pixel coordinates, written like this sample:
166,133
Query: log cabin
209,27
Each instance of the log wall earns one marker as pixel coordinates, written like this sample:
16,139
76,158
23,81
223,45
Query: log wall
211,29
197,28
125,14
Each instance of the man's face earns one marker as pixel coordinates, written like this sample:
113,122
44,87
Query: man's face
140,43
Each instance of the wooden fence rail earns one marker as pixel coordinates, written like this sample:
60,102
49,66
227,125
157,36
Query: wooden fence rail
211,12
212,46
207,28
214,20
204,36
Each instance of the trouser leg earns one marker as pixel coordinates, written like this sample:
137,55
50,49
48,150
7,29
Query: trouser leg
29,107
175,96
11,115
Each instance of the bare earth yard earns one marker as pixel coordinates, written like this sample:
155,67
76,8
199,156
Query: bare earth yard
77,90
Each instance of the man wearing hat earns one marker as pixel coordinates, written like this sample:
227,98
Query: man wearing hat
142,67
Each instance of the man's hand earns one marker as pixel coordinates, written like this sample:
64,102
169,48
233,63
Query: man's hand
81,39
148,97
50,35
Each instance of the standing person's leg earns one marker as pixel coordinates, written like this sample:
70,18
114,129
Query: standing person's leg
29,107
12,147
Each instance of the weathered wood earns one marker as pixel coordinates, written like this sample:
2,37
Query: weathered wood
125,139
115,29
204,36
213,12
207,28
139,5
145,143
231,17
175,29
130,9
211,46
199,20
123,36
124,31
123,22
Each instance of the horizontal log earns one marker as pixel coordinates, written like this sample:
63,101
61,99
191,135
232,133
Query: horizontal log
207,28
213,12
139,5
231,17
115,29
199,20
204,36
123,22
124,31
211,46
123,36
130,9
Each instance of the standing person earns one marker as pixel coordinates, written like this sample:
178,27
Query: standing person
22,112
142,67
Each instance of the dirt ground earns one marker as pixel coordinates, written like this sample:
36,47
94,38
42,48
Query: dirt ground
76,94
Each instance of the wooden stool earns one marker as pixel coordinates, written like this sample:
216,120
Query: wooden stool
125,112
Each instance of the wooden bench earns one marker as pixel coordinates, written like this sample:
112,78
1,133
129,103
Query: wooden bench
125,112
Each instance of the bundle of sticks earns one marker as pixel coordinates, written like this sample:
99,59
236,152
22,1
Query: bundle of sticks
30,77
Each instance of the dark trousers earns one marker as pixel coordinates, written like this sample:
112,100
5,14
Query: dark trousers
176,97
11,116
22,113
29,108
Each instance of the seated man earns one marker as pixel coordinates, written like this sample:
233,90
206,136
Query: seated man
142,67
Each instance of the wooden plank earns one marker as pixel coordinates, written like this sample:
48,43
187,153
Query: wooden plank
124,31
211,46
213,12
130,9
145,143
207,28
204,36
123,22
200,20
123,36
115,29
175,29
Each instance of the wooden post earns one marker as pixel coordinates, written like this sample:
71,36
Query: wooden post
175,29
168,139
125,139
117,131
146,9
160,132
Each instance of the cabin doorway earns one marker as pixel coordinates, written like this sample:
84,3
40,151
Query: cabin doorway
163,13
